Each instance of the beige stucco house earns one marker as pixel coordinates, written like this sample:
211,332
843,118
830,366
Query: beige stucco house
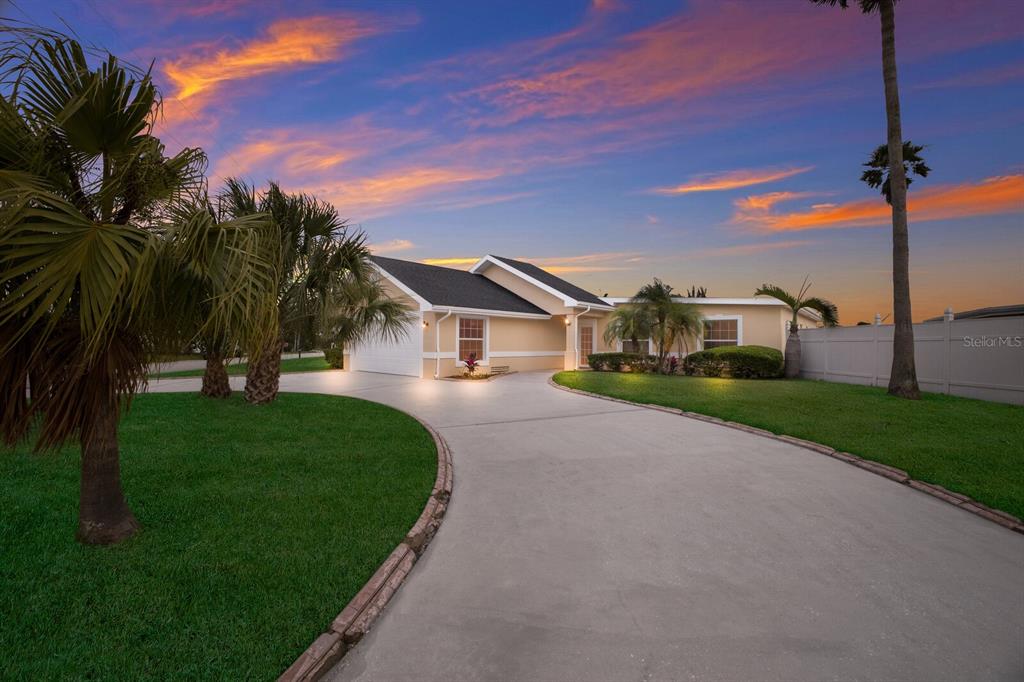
514,315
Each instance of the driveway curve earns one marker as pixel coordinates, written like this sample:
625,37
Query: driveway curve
590,540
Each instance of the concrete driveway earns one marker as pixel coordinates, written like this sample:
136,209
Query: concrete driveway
590,540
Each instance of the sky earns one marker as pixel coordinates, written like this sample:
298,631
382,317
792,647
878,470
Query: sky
716,143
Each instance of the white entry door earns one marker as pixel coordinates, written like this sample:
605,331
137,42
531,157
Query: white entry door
403,356
587,339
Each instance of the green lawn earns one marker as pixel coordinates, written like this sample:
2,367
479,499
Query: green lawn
258,526
969,446
315,364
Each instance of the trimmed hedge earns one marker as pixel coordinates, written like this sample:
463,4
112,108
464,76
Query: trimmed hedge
335,357
621,362
742,362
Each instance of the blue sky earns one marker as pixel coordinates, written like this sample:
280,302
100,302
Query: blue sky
707,142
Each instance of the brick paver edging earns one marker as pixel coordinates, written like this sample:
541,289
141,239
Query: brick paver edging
892,473
358,616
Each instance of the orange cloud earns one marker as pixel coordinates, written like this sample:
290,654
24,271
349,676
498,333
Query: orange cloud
288,44
1004,194
377,194
392,246
713,182
461,263
296,153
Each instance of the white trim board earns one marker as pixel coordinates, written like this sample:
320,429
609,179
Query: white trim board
566,299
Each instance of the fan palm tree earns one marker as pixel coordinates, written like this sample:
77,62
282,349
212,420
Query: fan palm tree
828,311
903,376
99,256
325,273
877,173
628,322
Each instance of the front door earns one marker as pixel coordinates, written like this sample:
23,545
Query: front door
588,329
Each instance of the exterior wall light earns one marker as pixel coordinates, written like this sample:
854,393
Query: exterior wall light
425,324
568,320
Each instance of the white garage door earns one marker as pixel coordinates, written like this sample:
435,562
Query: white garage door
404,356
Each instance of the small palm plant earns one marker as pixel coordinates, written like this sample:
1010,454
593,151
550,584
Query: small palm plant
877,173
828,311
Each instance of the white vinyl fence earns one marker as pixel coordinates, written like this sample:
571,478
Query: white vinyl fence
975,358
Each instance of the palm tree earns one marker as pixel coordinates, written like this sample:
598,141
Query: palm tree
829,316
903,376
99,257
325,273
667,318
685,321
877,173
628,322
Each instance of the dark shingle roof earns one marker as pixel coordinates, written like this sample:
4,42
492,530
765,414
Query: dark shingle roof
457,288
556,283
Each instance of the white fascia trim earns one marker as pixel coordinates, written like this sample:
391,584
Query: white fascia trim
527,353
617,300
481,312
423,303
450,355
491,260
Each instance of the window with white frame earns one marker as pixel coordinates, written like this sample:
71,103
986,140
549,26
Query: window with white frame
472,338
721,333
641,346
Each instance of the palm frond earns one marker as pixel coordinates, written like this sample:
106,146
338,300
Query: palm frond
778,293
829,311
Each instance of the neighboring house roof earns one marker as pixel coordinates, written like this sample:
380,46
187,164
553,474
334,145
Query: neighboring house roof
979,313
760,300
450,288
546,279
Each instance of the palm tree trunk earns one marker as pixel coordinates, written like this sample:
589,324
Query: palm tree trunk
903,376
104,517
215,378
263,378
792,366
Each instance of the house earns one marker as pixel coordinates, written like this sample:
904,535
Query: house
513,314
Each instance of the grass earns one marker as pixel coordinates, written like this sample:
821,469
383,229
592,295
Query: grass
258,526
973,447
314,364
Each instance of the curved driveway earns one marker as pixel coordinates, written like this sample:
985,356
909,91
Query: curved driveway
591,540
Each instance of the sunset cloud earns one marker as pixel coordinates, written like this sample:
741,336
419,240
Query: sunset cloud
734,179
377,194
287,44
462,263
747,249
392,246
1003,194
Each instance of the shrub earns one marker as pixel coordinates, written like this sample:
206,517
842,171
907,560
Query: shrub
742,362
618,362
335,357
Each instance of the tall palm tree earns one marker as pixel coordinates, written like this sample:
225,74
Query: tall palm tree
829,317
628,322
903,376
324,272
877,173
98,257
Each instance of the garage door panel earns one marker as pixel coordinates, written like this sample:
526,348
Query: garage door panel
387,356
